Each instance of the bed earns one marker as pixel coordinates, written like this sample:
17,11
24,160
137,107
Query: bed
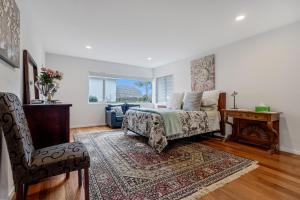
162,125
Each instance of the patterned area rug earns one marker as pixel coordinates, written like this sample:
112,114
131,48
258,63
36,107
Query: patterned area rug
126,168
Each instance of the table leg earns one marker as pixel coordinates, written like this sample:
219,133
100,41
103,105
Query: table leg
231,124
274,138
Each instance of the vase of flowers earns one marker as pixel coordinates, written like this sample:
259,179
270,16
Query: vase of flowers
47,82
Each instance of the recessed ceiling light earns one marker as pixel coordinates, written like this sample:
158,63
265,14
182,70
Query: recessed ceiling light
149,58
88,47
240,18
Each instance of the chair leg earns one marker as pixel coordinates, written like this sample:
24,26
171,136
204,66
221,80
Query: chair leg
20,192
25,190
67,175
86,183
79,178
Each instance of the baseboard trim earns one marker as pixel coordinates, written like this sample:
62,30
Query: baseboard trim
289,150
87,125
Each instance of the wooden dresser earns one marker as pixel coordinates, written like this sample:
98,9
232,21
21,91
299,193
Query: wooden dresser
256,128
49,124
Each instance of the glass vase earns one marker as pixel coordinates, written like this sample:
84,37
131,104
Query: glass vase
46,89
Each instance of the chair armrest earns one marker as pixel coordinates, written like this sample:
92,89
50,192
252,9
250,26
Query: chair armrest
110,116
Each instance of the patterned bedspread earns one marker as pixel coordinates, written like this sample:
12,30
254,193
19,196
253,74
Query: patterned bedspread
151,125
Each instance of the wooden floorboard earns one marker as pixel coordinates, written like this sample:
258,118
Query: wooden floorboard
277,178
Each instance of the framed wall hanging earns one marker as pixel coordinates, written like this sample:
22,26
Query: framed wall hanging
203,74
10,33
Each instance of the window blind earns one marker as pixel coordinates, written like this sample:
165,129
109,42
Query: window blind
164,88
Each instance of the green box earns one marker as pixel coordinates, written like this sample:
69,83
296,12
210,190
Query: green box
262,108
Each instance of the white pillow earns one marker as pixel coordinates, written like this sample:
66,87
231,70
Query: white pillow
192,101
175,102
210,98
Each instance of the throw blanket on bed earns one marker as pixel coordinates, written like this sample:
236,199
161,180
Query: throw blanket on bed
171,120
151,123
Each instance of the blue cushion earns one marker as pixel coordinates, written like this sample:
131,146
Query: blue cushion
119,119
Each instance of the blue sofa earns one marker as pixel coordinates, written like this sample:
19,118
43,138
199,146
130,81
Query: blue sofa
114,121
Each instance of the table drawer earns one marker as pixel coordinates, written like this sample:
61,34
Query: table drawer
258,117
255,117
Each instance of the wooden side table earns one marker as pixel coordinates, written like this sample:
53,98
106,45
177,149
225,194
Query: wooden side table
256,128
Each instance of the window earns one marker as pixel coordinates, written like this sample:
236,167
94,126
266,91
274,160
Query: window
95,90
119,90
164,88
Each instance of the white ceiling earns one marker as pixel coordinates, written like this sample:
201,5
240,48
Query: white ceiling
130,31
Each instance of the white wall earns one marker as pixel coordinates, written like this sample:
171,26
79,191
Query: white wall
74,86
11,81
264,68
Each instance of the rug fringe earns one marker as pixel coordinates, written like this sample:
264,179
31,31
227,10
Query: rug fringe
197,195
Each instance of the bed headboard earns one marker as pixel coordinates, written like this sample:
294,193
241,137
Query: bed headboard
221,106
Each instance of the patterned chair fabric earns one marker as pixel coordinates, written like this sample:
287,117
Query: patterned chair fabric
30,165
17,135
58,159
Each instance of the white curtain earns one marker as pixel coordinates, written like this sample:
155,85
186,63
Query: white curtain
110,90
96,88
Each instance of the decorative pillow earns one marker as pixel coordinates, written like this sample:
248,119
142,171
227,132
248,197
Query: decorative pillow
210,98
118,110
192,101
175,102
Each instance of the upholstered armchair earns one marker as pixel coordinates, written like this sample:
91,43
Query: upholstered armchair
114,114
30,165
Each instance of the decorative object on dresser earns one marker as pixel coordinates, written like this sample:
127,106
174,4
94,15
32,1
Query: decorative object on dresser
49,124
47,82
262,108
234,94
30,74
203,74
256,128
10,32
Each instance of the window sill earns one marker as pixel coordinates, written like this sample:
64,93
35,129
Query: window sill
97,103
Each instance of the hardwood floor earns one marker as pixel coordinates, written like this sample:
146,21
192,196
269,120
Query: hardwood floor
278,176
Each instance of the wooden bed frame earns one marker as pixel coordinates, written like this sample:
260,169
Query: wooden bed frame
221,107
